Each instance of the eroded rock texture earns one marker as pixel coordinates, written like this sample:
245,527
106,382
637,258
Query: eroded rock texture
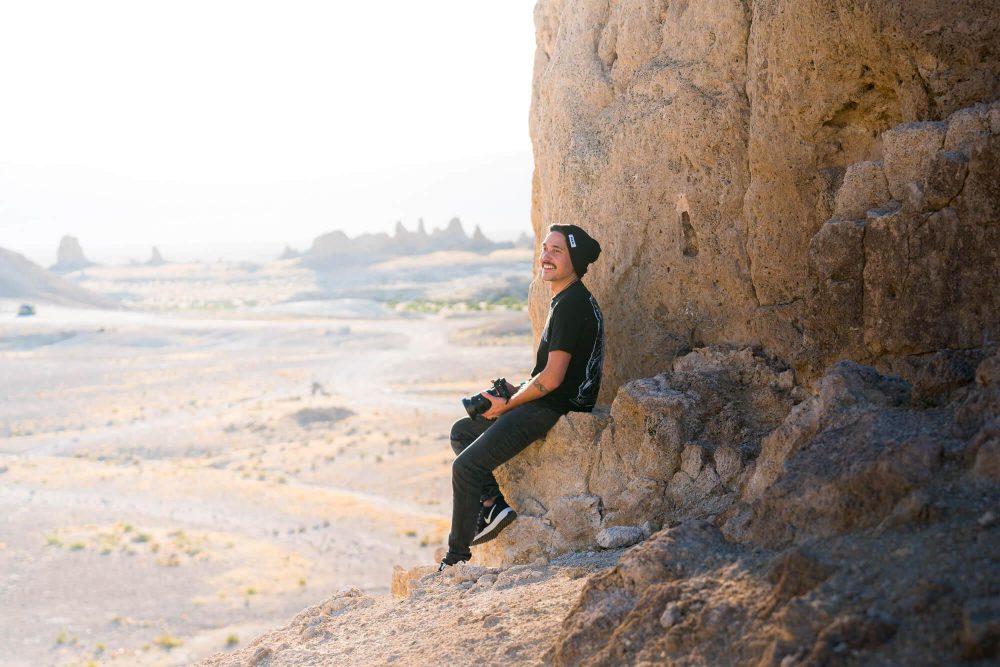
909,263
705,144
866,532
689,597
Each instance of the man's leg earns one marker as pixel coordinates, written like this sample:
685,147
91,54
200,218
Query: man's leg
474,467
463,433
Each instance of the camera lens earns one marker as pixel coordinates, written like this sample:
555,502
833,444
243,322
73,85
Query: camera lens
475,405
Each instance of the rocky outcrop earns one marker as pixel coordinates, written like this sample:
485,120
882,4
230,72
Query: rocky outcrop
70,256
155,258
704,145
289,253
679,445
336,248
689,597
727,436
866,534
907,265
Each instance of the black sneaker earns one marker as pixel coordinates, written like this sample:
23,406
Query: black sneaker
450,560
481,519
495,518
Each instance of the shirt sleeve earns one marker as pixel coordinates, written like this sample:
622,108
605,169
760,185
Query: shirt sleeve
565,327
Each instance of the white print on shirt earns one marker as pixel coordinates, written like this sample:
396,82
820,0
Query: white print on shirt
586,396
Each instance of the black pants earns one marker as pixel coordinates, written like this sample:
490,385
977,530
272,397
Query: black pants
482,445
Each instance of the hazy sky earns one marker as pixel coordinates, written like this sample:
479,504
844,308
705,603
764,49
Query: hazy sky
189,123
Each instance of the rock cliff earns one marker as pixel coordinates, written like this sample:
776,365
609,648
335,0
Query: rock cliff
707,145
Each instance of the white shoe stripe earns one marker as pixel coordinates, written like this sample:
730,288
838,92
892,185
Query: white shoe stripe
494,523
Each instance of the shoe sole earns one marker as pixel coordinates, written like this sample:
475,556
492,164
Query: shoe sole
491,531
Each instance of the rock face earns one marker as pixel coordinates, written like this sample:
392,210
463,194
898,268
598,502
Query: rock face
908,263
70,256
834,554
706,144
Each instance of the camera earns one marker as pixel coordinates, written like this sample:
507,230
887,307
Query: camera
476,404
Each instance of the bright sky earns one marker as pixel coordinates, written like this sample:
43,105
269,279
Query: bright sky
194,123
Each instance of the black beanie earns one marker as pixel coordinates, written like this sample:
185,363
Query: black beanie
582,248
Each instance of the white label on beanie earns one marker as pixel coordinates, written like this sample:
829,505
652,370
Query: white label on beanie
572,241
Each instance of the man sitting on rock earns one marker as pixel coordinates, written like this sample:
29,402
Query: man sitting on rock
566,377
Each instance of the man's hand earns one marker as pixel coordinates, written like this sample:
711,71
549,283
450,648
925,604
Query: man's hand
498,406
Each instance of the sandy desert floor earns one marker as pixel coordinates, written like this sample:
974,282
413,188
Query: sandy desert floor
173,483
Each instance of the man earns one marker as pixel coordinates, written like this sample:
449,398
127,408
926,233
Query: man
566,377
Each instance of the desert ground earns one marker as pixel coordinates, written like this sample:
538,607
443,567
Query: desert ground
238,443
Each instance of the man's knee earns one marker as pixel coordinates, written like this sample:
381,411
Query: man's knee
467,466
462,468
463,434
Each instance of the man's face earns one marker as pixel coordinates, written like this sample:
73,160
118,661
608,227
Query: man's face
555,261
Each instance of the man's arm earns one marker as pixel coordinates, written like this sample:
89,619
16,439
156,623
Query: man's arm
540,385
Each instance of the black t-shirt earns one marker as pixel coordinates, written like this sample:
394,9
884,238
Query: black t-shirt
574,325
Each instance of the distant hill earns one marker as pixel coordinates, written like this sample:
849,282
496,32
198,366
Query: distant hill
337,247
20,278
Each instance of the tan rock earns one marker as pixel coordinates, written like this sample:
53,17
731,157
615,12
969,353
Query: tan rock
966,125
909,150
692,458
946,178
522,542
578,518
404,581
704,146
543,472
728,463
979,201
617,537
864,187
